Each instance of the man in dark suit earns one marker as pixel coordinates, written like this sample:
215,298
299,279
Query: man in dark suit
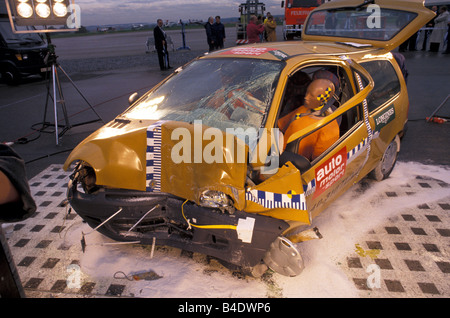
219,31
161,46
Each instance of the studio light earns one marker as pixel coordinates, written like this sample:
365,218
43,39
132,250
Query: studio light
24,10
43,10
42,13
60,9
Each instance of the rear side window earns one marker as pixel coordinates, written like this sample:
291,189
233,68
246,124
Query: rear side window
387,84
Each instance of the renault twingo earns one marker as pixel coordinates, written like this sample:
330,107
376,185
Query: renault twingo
201,162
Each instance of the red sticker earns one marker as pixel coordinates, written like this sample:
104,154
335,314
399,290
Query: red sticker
254,51
331,171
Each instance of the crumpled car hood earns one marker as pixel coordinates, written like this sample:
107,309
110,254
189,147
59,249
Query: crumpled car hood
166,157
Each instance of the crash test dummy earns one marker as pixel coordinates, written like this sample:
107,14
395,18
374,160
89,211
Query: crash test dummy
318,95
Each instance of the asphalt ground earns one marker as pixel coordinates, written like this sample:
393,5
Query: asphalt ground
22,113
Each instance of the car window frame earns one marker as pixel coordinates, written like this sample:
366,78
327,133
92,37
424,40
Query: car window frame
374,91
351,82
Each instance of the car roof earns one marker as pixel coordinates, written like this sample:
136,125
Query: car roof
288,49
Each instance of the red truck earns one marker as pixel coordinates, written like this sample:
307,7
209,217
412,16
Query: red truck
295,13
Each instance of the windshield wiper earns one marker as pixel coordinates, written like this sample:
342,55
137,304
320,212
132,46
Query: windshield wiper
359,7
365,3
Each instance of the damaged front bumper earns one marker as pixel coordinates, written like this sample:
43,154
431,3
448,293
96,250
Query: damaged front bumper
237,238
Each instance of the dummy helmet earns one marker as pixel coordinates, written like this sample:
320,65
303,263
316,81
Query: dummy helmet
322,90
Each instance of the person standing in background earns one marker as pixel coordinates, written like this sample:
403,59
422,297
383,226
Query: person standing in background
210,38
440,28
161,46
447,50
270,27
427,33
219,32
254,30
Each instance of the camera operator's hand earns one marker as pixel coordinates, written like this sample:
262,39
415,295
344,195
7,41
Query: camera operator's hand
8,192
16,201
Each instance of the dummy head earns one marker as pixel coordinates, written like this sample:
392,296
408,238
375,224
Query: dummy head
319,93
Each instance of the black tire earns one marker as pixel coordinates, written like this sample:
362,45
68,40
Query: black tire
10,75
387,162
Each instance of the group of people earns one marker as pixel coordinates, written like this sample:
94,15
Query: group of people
436,32
215,33
257,31
260,31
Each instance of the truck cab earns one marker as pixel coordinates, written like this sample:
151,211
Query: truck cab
21,54
295,13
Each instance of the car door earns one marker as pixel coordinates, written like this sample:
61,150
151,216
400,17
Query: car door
340,166
318,182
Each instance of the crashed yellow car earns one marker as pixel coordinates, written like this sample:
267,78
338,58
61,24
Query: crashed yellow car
211,160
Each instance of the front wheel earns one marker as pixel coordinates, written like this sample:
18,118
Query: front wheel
387,163
284,258
10,75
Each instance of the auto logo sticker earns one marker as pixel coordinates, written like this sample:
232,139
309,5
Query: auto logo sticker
253,51
331,171
384,118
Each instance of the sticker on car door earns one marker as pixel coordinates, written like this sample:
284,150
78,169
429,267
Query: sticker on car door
384,118
331,171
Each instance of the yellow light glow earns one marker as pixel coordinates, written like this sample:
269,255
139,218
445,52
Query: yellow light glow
59,9
24,10
147,109
43,10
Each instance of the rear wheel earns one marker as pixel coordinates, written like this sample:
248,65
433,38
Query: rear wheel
387,163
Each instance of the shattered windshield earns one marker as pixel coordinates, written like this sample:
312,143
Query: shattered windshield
222,93
370,24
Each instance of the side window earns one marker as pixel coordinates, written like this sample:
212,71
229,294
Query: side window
299,80
297,111
298,83
387,84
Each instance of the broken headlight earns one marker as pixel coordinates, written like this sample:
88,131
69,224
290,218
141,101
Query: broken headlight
214,199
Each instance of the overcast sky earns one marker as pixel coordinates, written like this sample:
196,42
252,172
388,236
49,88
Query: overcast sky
143,11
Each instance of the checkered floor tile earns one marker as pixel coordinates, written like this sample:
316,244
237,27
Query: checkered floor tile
406,256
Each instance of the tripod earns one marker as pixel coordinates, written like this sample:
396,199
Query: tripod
184,47
432,118
51,59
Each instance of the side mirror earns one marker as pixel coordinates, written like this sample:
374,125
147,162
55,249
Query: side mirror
133,98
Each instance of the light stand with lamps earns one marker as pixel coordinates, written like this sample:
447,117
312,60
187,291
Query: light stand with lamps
40,14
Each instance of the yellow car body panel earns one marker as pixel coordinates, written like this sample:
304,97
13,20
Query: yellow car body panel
117,155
